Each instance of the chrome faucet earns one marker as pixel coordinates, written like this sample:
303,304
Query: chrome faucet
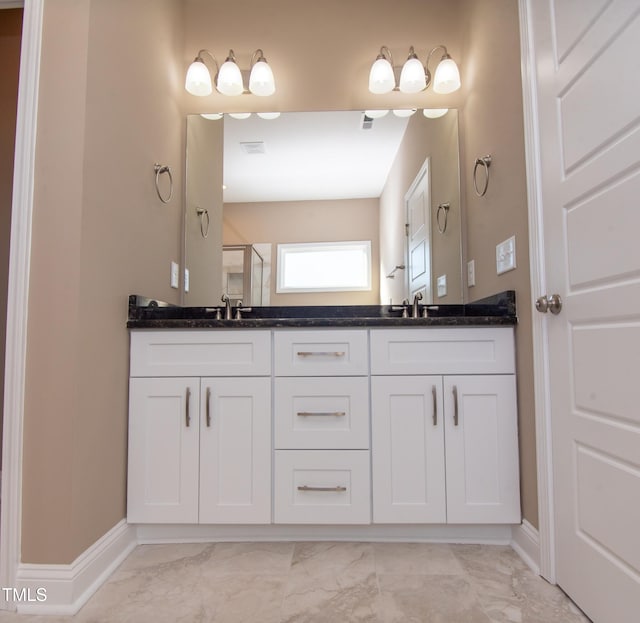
415,309
227,306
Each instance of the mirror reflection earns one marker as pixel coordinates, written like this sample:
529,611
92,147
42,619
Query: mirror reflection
322,177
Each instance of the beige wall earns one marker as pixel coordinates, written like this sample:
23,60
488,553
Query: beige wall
491,122
436,139
108,109
112,104
308,221
204,190
10,38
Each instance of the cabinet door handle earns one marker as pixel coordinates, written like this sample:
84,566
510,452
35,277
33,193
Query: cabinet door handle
186,408
323,413
455,405
320,353
434,393
208,408
338,488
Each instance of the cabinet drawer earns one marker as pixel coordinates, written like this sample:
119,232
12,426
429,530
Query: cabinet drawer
200,353
322,413
321,353
442,351
322,487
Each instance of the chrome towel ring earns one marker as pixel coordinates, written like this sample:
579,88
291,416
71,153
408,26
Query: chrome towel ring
160,169
443,208
484,162
204,214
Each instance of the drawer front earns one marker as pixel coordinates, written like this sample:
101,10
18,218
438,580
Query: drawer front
321,353
443,351
200,353
321,413
322,487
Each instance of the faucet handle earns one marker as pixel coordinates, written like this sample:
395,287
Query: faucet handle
240,309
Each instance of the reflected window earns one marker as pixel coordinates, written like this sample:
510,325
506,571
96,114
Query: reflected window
324,266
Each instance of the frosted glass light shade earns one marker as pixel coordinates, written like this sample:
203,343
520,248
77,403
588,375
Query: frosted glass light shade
230,79
376,114
404,112
447,76
261,81
198,81
268,115
212,116
412,77
381,78
240,115
435,113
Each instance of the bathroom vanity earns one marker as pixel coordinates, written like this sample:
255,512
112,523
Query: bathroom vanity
352,416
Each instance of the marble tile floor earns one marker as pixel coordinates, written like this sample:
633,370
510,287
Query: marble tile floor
322,582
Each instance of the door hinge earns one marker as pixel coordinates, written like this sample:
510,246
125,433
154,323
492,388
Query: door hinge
406,229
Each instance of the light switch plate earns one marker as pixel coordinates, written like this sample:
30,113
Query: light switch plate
186,280
471,273
175,277
506,255
442,285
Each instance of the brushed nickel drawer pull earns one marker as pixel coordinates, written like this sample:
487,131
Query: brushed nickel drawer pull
322,413
208,414
455,405
320,353
434,393
339,488
186,409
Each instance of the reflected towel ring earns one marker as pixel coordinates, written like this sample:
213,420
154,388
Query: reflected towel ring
160,169
202,213
486,163
443,207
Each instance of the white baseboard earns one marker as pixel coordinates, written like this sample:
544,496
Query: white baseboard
68,587
526,542
165,533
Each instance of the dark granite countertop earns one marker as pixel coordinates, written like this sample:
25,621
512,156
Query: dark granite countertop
497,310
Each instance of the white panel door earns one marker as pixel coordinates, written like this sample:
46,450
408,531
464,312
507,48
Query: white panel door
408,449
481,433
588,91
417,202
235,450
163,450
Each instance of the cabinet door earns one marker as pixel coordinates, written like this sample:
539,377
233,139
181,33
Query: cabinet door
163,450
235,450
408,450
482,449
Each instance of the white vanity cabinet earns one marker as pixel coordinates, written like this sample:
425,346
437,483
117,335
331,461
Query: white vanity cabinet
200,427
444,426
321,424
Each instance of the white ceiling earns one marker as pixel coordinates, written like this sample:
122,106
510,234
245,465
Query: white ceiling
309,155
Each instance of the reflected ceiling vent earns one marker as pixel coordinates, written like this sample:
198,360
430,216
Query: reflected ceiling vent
253,147
367,122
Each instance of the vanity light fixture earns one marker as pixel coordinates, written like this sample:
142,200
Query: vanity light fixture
268,115
239,115
414,77
228,77
212,116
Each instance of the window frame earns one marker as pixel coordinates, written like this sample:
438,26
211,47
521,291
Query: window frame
285,250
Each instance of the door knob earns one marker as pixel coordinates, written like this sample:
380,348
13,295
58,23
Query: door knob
551,303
